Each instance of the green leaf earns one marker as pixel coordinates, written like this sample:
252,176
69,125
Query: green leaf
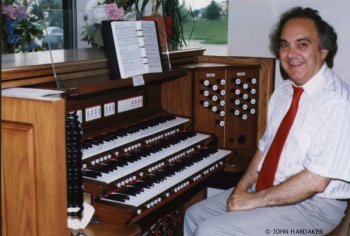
97,36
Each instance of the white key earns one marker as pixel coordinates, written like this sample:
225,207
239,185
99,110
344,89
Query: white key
108,145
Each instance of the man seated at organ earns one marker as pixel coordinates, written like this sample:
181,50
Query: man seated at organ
299,179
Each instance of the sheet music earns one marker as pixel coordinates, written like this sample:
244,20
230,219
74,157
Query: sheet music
33,93
127,47
136,47
151,46
138,80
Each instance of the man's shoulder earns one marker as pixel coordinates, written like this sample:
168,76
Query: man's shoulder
337,89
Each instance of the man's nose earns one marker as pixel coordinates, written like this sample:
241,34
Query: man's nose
292,51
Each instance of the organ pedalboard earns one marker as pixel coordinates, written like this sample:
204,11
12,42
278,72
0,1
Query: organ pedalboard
133,170
226,104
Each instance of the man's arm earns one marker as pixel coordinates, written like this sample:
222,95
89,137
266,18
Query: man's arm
296,189
251,175
249,178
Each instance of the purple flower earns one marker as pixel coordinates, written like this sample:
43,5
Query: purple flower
19,30
114,12
21,13
9,11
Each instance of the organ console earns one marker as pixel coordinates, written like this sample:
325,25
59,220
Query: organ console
140,155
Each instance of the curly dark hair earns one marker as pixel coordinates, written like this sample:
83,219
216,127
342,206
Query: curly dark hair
327,35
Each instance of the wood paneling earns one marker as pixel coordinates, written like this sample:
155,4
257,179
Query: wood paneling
33,167
18,196
176,96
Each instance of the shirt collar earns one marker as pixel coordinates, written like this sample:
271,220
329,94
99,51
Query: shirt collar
315,83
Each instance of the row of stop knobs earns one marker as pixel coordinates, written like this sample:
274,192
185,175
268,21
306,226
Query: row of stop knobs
243,101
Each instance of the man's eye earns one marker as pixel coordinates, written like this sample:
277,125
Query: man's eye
283,45
303,45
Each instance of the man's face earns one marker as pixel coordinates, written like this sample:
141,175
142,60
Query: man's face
300,53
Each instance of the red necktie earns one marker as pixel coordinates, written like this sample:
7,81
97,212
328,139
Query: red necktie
269,167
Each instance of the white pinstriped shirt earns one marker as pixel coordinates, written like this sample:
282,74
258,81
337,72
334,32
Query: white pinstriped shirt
319,139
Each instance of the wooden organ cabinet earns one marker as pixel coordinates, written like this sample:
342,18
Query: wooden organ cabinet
144,154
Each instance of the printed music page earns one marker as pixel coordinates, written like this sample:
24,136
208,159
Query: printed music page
137,48
151,47
127,48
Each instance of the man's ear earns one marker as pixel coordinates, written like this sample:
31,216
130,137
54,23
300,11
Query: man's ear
324,53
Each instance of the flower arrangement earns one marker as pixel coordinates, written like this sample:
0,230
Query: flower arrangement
98,10
20,28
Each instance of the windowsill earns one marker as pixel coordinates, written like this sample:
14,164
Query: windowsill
15,60
82,71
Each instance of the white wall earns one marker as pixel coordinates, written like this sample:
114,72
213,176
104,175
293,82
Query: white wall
251,21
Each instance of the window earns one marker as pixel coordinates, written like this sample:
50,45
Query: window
210,26
24,24
34,25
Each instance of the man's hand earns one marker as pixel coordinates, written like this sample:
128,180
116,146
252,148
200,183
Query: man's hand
241,200
296,189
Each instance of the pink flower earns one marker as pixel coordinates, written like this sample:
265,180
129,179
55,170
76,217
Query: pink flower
114,12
